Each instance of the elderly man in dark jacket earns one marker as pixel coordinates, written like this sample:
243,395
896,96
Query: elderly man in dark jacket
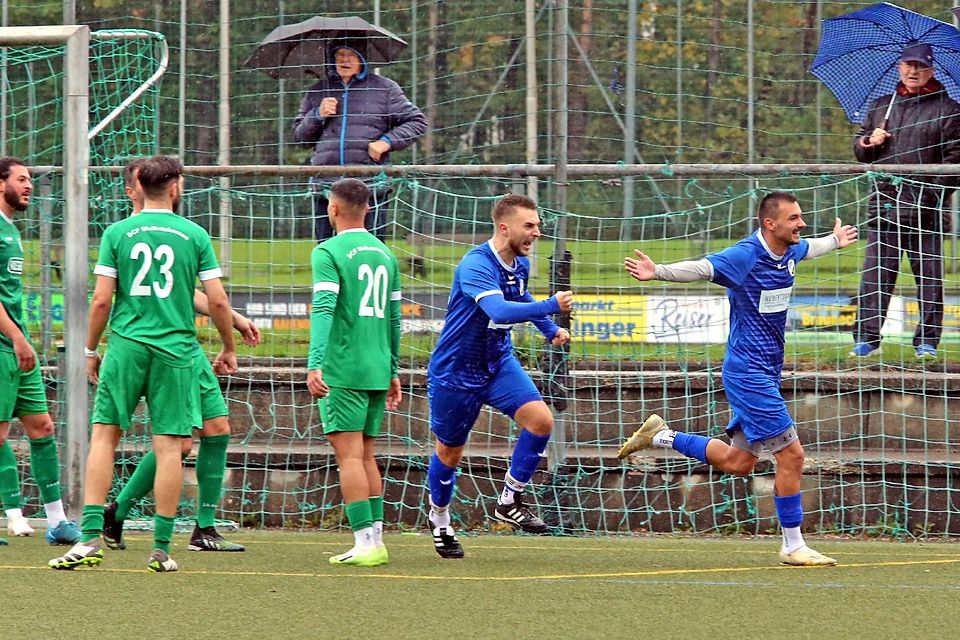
907,214
354,117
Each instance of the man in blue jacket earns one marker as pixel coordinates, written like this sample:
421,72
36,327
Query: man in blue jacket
353,116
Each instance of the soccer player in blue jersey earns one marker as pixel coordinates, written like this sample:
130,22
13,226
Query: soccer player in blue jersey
758,273
473,364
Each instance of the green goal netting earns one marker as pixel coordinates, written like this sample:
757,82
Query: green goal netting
878,437
122,64
880,441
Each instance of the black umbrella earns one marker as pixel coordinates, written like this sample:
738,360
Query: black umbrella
291,50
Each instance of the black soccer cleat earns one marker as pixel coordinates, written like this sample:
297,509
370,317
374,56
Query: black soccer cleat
112,528
209,539
519,516
445,542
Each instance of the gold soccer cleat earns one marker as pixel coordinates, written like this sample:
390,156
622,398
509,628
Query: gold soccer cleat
642,437
806,557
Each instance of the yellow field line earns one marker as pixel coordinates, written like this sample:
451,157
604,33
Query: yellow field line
561,576
513,547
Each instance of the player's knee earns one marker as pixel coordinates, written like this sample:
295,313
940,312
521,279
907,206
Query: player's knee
39,428
186,446
740,467
450,456
536,419
216,427
792,457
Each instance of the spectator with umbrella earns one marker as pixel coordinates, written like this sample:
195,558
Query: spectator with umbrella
351,115
900,69
917,124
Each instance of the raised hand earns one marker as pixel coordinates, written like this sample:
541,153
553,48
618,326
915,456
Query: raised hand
641,268
846,234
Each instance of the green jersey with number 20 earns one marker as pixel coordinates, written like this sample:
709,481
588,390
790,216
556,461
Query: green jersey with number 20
362,349
156,257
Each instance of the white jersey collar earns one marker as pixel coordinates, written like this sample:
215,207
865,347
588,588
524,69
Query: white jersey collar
767,248
352,230
4,216
500,259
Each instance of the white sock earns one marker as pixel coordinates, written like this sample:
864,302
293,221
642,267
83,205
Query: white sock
510,487
440,516
363,539
378,532
664,438
792,539
14,513
55,513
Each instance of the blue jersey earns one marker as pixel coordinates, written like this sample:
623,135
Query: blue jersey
758,285
472,347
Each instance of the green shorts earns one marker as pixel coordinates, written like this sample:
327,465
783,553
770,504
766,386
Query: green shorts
353,410
21,392
212,404
131,370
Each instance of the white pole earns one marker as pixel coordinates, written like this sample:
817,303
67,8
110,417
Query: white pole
76,158
530,21
182,86
5,18
223,157
630,120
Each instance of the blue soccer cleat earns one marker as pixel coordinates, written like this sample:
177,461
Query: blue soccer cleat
864,350
926,352
67,532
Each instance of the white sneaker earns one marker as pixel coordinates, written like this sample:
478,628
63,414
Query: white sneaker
806,557
19,527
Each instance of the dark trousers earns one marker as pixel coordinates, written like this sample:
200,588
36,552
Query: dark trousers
886,243
375,220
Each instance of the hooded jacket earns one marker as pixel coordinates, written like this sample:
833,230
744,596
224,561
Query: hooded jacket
369,107
924,129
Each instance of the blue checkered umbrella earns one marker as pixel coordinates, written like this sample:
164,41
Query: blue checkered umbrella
858,54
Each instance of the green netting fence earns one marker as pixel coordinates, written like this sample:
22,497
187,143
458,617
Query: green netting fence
879,438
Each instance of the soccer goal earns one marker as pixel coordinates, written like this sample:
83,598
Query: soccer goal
73,99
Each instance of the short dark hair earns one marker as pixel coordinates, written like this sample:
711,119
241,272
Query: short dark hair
131,168
7,163
351,192
157,172
508,203
771,204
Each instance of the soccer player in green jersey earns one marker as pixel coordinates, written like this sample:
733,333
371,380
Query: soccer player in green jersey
214,435
354,358
22,392
151,261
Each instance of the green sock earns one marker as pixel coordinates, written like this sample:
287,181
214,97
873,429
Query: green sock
45,468
211,464
162,532
139,485
376,508
358,515
9,478
91,526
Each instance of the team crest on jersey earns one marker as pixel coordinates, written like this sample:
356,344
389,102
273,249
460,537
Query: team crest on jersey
15,265
792,267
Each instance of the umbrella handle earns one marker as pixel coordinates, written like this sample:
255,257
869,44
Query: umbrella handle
886,116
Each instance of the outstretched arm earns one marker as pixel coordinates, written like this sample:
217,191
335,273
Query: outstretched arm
842,236
642,268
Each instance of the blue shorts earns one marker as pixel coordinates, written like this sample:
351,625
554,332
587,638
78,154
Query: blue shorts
758,407
453,411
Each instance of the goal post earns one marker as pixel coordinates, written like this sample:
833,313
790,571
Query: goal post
76,153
